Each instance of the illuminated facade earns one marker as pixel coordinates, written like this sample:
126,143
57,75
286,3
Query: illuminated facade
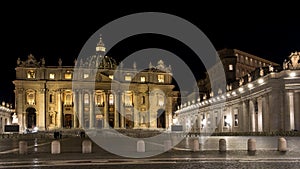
265,100
6,115
56,97
97,93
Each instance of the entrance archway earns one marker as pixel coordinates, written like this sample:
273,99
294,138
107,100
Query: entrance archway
31,117
68,122
128,121
161,118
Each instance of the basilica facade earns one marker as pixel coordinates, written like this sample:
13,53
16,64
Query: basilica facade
99,93
57,97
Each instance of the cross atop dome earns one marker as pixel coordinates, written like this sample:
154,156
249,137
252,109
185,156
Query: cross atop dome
100,45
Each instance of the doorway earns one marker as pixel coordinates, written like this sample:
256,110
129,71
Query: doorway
31,117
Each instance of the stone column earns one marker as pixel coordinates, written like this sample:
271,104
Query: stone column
59,109
42,110
297,111
24,119
105,118
152,110
116,113
290,115
121,109
169,112
20,96
276,118
80,109
245,107
266,113
252,115
136,113
92,109
259,115
75,111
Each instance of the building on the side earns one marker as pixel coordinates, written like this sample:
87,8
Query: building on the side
237,66
6,115
57,97
263,100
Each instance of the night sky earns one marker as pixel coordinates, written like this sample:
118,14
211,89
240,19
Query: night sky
55,30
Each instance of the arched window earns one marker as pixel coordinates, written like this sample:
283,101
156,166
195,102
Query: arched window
86,98
161,100
99,99
51,98
30,97
68,99
128,99
111,99
143,100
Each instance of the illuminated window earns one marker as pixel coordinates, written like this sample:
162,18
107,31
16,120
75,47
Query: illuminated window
160,78
111,99
143,100
111,77
68,75
86,75
143,78
30,98
127,78
230,67
99,99
68,100
225,121
86,98
51,98
31,74
51,76
236,120
128,99
160,100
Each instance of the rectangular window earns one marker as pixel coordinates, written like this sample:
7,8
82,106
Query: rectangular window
128,99
160,78
236,120
99,99
68,100
68,75
111,77
31,74
51,98
86,99
127,78
225,121
143,78
86,75
230,67
51,76
111,99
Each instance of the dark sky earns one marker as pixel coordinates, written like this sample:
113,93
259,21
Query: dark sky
53,30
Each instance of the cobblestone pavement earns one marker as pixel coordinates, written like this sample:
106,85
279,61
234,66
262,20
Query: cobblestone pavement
182,156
